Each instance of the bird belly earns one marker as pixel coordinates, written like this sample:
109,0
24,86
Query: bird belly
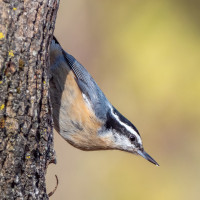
73,119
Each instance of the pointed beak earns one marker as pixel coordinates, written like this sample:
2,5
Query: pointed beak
147,157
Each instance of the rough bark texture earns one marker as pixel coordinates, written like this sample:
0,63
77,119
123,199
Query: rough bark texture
26,134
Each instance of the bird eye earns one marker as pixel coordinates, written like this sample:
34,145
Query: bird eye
132,138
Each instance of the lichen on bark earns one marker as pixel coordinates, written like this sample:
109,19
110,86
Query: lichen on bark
26,134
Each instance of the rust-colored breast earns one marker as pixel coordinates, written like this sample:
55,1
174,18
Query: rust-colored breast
73,119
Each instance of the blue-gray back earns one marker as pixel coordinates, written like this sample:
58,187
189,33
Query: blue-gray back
89,88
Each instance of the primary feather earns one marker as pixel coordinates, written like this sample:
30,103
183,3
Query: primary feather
88,87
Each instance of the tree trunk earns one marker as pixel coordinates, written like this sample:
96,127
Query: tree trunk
26,134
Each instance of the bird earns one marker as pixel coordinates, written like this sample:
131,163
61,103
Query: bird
82,114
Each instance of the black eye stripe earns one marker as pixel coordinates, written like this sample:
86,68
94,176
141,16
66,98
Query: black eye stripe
125,121
112,123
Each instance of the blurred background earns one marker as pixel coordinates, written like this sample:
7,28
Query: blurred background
145,56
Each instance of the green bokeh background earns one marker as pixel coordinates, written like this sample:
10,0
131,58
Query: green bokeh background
145,56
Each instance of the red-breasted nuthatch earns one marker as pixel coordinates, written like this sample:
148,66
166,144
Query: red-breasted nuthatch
82,114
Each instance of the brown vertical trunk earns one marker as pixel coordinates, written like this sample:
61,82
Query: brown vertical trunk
26,134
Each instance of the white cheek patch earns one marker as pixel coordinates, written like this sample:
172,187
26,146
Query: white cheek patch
123,142
128,128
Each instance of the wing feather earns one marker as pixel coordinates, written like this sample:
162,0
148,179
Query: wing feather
88,87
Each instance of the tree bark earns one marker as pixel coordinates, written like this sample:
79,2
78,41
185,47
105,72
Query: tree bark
26,133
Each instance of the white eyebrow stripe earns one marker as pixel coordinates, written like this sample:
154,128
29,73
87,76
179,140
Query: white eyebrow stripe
128,128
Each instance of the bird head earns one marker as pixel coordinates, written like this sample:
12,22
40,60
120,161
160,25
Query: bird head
124,135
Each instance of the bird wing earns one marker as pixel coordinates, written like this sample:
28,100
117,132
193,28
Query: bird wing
88,86
80,72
